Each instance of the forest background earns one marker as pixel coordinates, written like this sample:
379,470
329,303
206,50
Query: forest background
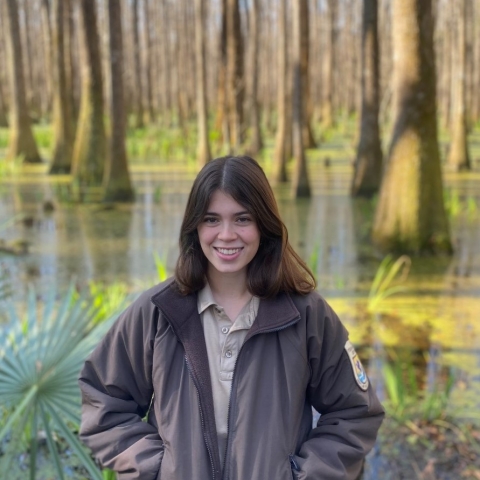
367,110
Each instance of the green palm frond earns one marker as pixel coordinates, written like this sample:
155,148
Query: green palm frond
40,359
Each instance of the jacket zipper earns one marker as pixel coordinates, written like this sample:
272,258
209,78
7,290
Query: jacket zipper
225,467
201,418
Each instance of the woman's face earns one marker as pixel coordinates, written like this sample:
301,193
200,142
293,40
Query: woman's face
228,235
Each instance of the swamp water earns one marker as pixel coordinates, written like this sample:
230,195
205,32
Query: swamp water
433,326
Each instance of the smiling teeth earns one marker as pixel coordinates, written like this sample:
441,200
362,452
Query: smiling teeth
228,251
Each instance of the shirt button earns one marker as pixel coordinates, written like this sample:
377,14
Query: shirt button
228,354
225,329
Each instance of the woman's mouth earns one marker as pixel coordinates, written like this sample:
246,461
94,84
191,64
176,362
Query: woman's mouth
228,253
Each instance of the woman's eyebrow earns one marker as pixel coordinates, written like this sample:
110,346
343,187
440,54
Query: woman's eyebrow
236,214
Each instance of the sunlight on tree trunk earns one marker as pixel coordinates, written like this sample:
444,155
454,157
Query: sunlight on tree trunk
410,215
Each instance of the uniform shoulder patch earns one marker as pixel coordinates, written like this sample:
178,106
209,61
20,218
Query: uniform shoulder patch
357,367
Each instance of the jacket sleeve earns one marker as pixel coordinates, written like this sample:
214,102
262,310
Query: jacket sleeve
116,386
350,416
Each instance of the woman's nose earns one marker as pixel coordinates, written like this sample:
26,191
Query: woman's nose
227,232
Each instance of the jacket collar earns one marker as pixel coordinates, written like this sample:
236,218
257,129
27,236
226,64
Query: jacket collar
181,312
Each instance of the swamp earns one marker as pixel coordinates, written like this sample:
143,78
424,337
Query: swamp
365,116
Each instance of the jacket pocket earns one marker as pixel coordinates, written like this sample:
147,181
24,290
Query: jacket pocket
294,467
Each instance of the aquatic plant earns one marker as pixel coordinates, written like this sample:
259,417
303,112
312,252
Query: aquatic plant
106,298
313,258
11,167
388,280
161,266
407,401
41,354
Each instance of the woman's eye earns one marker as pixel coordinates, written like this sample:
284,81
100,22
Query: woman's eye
210,220
243,220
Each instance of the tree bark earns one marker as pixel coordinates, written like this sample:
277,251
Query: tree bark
62,109
458,157
300,182
90,142
47,45
280,154
235,75
148,60
308,140
221,123
329,67
256,142
138,84
368,163
410,215
203,147
32,103
117,184
21,142
3,108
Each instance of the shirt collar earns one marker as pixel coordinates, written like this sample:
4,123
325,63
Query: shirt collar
246,316
205,298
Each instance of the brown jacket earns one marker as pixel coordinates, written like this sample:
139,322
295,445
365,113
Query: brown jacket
154,362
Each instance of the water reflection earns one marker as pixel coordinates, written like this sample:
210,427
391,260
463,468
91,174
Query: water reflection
438,316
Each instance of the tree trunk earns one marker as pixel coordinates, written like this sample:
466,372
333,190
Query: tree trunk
235,75
21,142
138,84
280,154
458,157
148,61
32,103
62,114
90,143
47,45
368,164
256,142
300,182
410,215
221,124
203,148
328,67
118,187
3,107
308,140
70,65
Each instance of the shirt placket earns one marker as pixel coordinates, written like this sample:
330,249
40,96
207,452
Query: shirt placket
228,343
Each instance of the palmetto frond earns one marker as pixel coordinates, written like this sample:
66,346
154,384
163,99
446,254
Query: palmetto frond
40,359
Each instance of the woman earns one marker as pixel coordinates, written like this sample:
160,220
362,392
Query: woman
226,359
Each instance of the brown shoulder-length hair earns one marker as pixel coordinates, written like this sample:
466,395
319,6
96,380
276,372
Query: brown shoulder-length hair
276,267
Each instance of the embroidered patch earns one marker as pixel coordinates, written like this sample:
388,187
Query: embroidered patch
357,367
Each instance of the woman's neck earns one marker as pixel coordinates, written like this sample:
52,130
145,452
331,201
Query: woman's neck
229,289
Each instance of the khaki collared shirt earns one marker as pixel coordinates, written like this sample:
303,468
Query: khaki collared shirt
224,339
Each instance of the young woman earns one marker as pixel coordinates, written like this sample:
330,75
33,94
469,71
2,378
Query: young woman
213,374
